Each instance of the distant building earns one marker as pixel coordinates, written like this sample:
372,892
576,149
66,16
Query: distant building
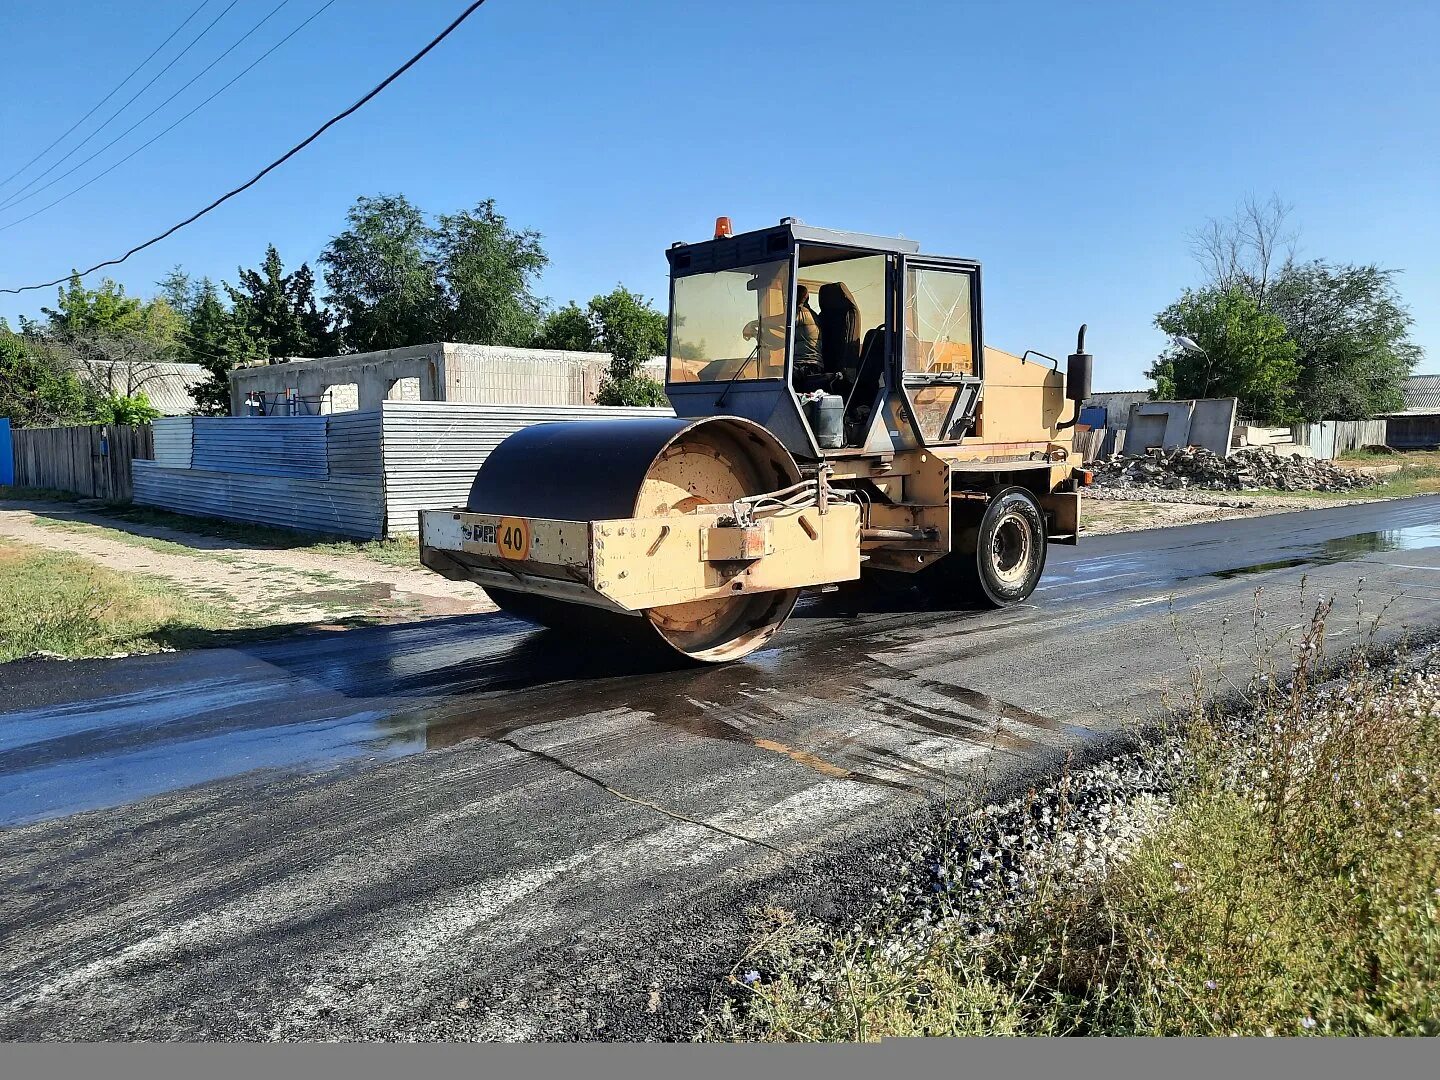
444,371
168,386
1417,425
1116,404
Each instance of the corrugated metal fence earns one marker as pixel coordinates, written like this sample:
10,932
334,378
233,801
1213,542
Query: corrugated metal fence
1331,438
433,449
94,461
381,466
263,445
334,485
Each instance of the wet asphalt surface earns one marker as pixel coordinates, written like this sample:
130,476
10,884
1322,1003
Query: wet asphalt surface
470,829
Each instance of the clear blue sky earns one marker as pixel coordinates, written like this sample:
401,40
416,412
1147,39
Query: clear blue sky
1071,147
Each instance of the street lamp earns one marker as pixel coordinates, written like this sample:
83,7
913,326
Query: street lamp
1190,345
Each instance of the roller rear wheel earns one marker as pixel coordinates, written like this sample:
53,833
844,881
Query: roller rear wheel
998,551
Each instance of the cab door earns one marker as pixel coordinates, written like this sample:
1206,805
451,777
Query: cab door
939,362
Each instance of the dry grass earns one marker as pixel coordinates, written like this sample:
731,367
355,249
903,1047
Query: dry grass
1294,889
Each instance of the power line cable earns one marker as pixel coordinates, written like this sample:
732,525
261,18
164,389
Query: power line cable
116,89
18,198
130,100
161,134
379,88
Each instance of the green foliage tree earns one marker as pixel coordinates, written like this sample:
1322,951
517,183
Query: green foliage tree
85,314
35,389
124,409
179,290
567,328
383,276
394,279
632,332
488,269
1346,324
216,342
277,312
1247,354
1352,337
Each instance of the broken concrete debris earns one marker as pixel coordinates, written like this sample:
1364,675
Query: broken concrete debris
1244,470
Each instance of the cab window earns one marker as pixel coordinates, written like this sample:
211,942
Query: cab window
730,324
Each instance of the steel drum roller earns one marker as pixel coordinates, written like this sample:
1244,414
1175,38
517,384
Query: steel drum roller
607,469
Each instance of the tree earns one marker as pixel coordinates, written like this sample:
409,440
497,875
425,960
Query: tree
1247,354
488,269
217,343
1249,248
35,389
277,311
83,313
632,332
383,277
116,344
567,328
396,280
119,409
179,290
1347,330
1352,337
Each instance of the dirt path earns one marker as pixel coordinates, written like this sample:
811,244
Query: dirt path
267,586
1114,513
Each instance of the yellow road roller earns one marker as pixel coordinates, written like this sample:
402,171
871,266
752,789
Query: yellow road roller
837,417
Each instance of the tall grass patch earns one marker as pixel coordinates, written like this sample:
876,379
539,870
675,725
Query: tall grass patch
52,602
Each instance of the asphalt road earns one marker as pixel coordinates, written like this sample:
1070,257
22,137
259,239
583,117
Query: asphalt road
468,829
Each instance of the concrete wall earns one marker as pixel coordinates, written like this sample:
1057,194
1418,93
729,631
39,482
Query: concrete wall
496,375
1158,423
373,374
1207,422
1212,424
457,373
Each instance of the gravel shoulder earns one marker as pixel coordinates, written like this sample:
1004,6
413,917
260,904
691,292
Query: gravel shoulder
1109,511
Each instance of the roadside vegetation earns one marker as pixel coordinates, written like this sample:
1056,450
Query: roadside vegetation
396,551
1419,475
1292,340
392,276
1289,884
64,605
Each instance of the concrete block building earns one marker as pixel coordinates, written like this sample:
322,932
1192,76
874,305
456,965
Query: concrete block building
444,371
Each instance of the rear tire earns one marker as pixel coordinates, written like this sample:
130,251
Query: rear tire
998,553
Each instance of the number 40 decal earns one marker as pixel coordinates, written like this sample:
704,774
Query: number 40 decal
512,537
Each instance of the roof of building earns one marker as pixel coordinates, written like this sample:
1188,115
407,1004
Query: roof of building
1422,394
166,385
1103,396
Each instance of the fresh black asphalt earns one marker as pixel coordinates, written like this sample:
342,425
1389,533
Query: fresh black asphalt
469,829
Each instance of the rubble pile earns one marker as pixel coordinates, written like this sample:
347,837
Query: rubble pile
1244,470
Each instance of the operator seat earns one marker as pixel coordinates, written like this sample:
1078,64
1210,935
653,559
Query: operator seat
867,378
839,333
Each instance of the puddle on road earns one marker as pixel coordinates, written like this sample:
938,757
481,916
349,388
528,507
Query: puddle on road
800,708
824,702
1344,549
